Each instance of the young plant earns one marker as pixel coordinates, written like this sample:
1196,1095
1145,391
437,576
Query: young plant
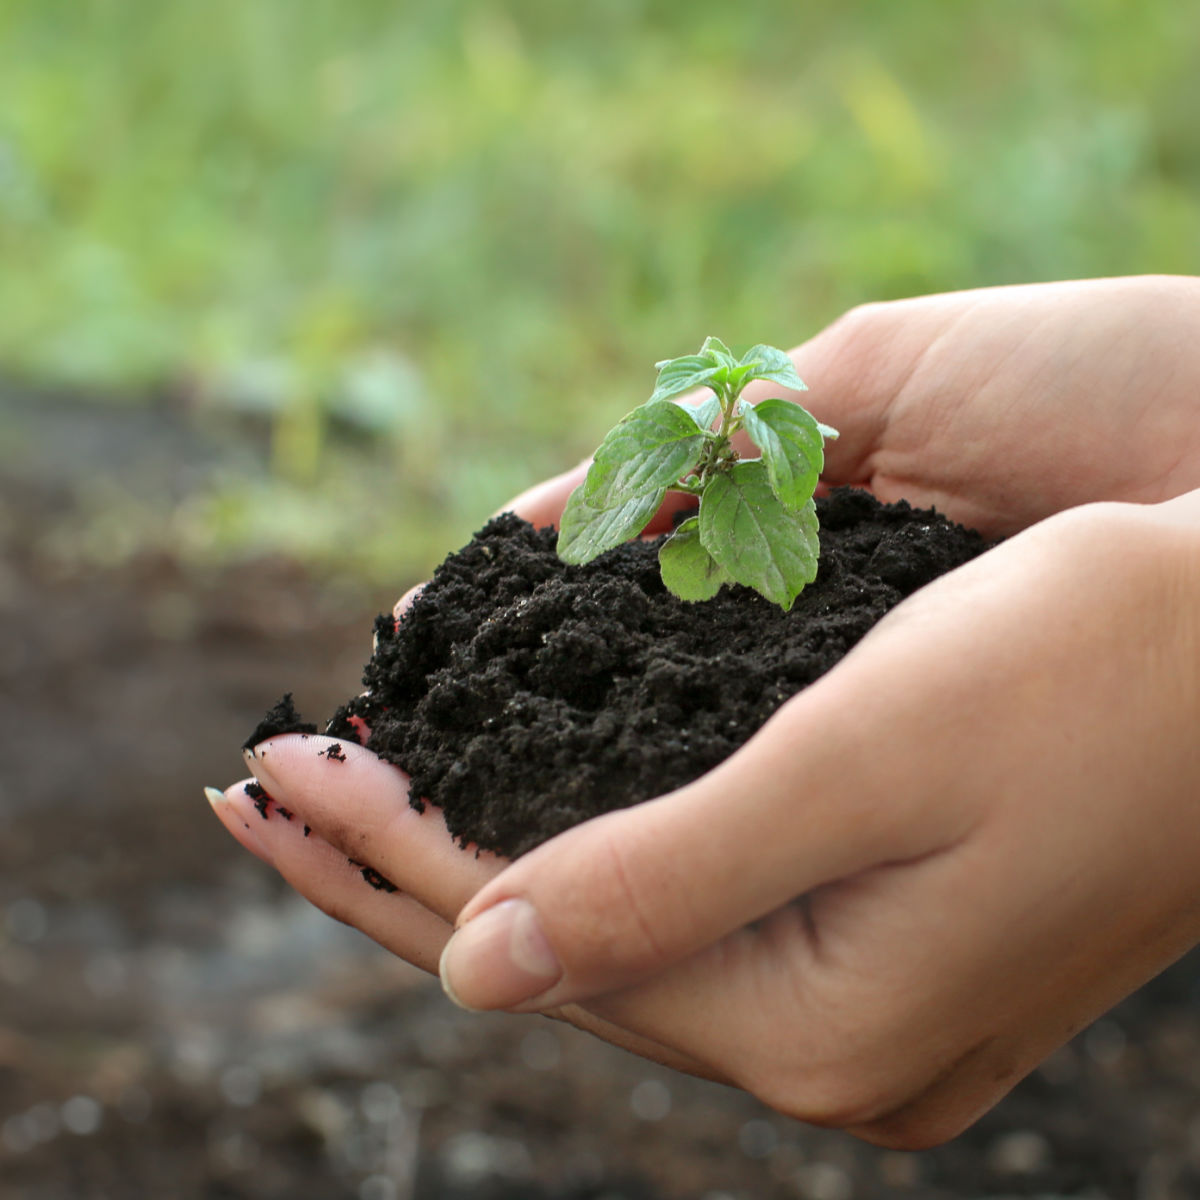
756,524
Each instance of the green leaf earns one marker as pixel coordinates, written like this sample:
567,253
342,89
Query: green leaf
774,365
705,412
718,352
793,450
688,570
586,531
741,375
679,375
757,540
648,449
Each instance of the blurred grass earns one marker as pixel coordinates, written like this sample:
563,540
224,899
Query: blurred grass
432,248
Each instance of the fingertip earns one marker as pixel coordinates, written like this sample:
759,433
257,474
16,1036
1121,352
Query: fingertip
405,602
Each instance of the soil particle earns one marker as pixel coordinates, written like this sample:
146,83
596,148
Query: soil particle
258,794
379,882
524,695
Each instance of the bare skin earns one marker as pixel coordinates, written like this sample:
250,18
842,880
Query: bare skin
912,929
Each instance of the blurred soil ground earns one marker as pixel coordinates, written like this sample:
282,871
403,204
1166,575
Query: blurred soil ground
175,1023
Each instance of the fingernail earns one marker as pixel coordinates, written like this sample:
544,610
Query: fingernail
499,959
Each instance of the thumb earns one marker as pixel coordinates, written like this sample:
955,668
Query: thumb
855,369
619,898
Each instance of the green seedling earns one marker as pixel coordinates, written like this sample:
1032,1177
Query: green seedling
756,524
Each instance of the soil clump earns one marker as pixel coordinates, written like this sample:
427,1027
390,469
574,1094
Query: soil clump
524,696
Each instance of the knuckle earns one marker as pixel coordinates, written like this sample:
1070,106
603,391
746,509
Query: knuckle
849,347
859,321
1107,542
1095,522
860,314
1095,526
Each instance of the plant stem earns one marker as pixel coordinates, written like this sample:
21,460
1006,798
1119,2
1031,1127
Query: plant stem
717,451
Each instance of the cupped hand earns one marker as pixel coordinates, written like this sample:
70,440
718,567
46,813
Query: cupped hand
924,873
935,864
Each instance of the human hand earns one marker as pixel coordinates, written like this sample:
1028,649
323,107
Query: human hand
935,399
925,872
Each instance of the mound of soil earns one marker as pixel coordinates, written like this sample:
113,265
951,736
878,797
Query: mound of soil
524,696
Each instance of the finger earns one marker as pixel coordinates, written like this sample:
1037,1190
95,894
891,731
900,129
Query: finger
756,971
343,888
860,370
360,804
335,883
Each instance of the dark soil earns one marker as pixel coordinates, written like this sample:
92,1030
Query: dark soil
524,696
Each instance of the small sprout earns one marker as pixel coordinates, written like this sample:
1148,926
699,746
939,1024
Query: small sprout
756,524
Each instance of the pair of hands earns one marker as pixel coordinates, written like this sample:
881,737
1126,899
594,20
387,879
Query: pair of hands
937,863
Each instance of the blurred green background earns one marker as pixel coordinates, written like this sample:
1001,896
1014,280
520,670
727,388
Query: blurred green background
337,279
293,293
